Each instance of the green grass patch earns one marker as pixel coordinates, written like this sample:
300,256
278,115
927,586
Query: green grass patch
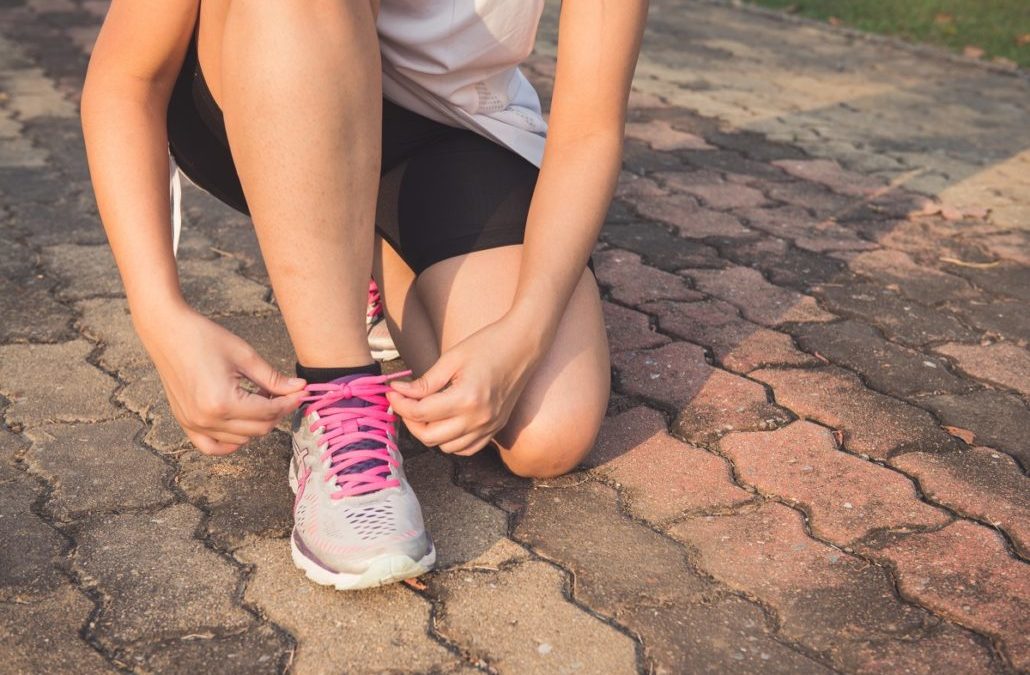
1000,28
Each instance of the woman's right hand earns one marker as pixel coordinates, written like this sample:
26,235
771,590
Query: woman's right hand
202,367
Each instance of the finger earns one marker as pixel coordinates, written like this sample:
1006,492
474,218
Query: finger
261,373
436,433
227,438
468,444
255,407
209,446
432,408
247,428
433,380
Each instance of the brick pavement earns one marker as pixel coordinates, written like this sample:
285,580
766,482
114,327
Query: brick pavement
815,273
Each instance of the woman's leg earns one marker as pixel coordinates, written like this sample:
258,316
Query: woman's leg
300,90
555,422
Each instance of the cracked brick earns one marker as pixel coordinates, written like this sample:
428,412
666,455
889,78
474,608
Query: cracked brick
30,312
811,196
158,579
1007,318
805,230
1001,363
145,397
964,573
718,194
365,631
758,300
86,464
979,482
708,401
660,135
739,345
786,265
1006,277
643,580
659,476
48,383
887,367
873,424
846,497
832,602
832,175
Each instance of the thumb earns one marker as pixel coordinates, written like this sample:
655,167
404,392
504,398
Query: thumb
432,381
271,381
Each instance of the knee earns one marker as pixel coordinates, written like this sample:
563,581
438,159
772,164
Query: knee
547,450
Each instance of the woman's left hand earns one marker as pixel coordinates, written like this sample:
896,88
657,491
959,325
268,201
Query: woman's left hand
469,393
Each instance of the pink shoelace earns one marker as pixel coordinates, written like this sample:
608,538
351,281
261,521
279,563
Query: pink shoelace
369,427
375,305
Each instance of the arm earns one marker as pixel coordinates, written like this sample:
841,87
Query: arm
598,44
132,70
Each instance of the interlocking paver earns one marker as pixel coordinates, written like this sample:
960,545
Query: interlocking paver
48,383
32,548
837,604
887,367
360,631
644,581
845,497
777,176
518,620
1001,363
42,636
708,401
635,451
159,580
758,300
980,482
629,329
632,283
996,419
84,462
739,345
872,424
964,572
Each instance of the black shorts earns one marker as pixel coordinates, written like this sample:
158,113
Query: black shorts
443,192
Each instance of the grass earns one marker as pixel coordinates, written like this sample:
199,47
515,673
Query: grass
998,28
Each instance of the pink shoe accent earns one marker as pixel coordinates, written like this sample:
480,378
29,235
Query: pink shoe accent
375,304
343,426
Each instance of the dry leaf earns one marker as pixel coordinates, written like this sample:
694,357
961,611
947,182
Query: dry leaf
834,21
966,435
974,265
973,52
415,583
820,357
1023,39
943,18
838,436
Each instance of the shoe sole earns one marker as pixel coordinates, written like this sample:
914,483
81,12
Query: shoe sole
381,570
385,354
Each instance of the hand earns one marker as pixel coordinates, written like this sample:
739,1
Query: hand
469,393
202,366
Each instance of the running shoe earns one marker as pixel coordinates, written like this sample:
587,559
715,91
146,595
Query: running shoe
357,522
379,340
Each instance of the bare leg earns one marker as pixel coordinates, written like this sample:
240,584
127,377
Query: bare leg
301,93
555,422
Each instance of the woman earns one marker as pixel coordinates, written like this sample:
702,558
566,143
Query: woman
400,141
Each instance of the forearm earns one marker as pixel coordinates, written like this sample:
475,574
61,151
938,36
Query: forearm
124,128
573,191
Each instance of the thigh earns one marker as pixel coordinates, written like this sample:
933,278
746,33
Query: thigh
557,416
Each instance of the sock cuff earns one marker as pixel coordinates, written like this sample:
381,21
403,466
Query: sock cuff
315,375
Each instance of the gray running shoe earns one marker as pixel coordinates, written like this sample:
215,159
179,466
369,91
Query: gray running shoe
357,522
379,339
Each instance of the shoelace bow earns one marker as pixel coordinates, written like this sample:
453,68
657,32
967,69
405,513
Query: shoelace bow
375,305
369,424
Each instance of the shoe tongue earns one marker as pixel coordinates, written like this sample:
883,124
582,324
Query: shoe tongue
351,426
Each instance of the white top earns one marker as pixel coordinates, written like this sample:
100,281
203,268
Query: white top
456,62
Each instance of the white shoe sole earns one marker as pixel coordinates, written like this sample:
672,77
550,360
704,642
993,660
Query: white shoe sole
385,354
381,570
